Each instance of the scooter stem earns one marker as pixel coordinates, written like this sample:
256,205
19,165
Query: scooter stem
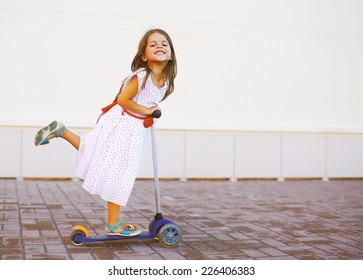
158,215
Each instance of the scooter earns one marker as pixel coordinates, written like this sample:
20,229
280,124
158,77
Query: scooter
165,231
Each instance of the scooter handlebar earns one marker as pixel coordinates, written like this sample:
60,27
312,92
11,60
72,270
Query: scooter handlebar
156,114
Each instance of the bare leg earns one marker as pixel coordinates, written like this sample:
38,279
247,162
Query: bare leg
113,217
72,138
113,213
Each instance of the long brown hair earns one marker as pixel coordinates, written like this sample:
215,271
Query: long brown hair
170,69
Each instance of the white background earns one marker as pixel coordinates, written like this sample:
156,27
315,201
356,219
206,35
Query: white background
241,63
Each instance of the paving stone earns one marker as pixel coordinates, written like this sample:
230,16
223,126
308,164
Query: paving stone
58,249
273,252
34,249
219,219
82,256
171,254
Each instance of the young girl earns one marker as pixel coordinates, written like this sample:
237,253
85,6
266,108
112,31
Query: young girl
109,156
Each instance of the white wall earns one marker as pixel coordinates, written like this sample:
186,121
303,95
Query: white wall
241,63
273,88
201,154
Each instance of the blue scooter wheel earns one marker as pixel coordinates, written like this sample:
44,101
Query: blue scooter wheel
169,235
74,235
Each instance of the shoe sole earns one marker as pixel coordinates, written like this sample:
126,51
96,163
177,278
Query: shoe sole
45,132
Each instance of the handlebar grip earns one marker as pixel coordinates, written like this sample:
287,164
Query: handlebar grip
156,114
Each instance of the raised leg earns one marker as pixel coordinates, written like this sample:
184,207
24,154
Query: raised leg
71,137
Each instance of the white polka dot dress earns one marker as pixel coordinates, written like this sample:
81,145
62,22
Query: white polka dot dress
109,156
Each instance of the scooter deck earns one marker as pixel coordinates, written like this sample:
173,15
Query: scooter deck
145,235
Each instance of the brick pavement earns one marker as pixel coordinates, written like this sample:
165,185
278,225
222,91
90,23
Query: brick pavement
220,220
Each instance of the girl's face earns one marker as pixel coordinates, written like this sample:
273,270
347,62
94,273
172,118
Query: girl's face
157,49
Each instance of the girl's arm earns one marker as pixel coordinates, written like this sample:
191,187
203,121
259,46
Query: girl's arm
126,102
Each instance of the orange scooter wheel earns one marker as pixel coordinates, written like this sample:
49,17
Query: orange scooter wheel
78,231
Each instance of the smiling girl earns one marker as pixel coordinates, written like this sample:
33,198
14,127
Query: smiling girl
109,156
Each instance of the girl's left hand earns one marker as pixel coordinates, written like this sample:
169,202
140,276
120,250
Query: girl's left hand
152,109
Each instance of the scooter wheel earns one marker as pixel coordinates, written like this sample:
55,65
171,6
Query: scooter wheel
169,235
74,236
